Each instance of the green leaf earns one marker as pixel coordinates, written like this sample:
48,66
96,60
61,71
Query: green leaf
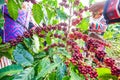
48,38
40,55
56,58
22,56
27,74
49,13
7,78
37,13
66,78
51,52
36,44
45,62
61,14
55,22
74,76
42,64
10,70
1,13
1,22
84,24
6,50
1,2
52,3
108,77
0,39
108,35
64,52
19,3
61,69
52,76
12,9
27,42
103,71
92,1
47,69
81,5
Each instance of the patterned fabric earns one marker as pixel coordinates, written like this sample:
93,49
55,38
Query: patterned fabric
11,28
99,26
4,62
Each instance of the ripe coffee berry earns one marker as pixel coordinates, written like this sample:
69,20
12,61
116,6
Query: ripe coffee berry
13,42
27,34
19,38
64,29
109,62
115,71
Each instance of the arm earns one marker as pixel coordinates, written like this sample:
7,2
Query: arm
97,9
96,36
97,6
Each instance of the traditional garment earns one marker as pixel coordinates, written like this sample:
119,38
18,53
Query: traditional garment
4,62
12,28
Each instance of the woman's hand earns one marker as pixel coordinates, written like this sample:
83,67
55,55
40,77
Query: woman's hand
97,9
6,1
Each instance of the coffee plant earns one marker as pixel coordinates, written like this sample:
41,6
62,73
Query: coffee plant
58,47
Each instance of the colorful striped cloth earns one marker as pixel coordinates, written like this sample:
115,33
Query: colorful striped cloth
99,26
4,62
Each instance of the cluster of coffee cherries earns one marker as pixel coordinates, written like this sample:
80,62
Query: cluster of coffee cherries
38,31
78,35
111,63
77,60
54,45
100,55
97,48
87,70
80,11
64,3
76,21
77,57
76,2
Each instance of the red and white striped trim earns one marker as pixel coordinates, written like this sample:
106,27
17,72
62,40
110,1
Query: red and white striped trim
4,62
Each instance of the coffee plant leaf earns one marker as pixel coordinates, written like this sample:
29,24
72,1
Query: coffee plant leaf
1,2
48,38
75,76
22,56
12,9
52,76
37,12
47,69
66,78
107,77
61,69
64,52
61,14
84,24
27,74
10,70
103,71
